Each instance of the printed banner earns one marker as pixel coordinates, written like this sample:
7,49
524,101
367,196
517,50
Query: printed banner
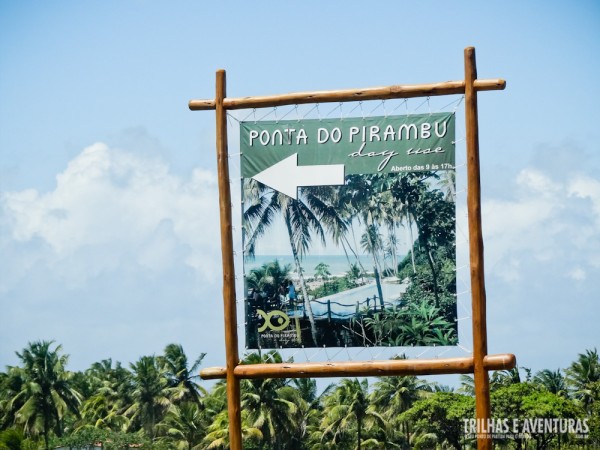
349,231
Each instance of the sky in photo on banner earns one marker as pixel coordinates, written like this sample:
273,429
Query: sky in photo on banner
109,234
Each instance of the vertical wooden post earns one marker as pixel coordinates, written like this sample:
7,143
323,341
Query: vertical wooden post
231,338
481,377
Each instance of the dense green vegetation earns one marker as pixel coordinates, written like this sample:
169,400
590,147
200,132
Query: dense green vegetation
158,402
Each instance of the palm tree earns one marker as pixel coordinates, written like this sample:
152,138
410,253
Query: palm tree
448,184
303,218
372,243
269,277
347,406
581,376
553,381
184,425
506,377
391,247
467,385
11,384
180,376
218,432
113,386
46,394
102,412
310,409
271,404
394,395
151,394
365,198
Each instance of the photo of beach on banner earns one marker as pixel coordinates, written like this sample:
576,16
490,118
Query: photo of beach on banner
371,262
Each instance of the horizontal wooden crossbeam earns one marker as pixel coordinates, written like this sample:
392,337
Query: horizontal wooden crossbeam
392,367
349,95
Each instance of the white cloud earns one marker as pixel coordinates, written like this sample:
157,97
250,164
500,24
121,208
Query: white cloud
111,208
587,188
577,274
545,222
537,181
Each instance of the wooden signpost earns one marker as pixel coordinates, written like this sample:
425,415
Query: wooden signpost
479,364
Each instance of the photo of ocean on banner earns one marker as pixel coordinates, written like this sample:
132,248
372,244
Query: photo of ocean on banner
371,262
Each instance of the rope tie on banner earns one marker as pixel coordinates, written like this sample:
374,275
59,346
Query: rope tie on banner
465,349
230,117
353,109
370,350
420,105
443,352
249,114
305,354
330,112
336,353
381,350
311,110
404,102
423,352
456,104
376,107
265,116
294,353
287,113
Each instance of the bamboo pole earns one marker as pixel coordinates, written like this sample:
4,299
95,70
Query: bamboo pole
231,338
349,95
481,376
393,367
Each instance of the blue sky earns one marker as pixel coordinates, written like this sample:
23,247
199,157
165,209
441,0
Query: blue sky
108,211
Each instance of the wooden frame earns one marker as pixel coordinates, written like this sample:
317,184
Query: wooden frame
479,364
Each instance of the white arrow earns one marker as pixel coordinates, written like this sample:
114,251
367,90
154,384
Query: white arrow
286,175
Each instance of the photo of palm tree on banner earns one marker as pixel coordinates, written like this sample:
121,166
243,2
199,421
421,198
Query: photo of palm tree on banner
369,261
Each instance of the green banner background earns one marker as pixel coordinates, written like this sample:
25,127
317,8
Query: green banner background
419,142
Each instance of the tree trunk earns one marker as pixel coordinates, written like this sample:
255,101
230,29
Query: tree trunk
306,300
434,276
412,241
345,239
359,429
379,290
307,306
374,246
46,431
